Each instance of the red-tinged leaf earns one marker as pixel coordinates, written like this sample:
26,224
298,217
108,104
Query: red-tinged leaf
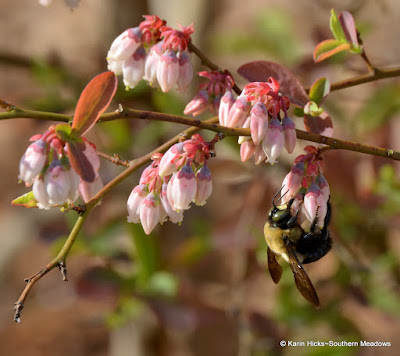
328,48
27,200
349,27
320,90
321,124
93,101
79,161
260,71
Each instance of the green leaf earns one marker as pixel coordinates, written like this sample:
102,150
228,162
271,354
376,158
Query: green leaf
313,109
27,200
298,112
328,48
319,90
93,101
63,132
336,28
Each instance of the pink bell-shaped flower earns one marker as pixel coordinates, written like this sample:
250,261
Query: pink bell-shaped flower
125,44
183,188
198,104
167,164
150,211
57,183
289,131
204,185
315,204
33,161
225,106
167,70
89,189
185,75
273,141
40,193
247,149
133,68
292,182
258,122
238,112
174,216
151,64
134,203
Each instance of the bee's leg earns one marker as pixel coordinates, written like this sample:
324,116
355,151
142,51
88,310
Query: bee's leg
293,220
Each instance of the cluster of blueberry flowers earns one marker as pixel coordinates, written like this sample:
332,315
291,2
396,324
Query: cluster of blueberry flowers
45,166
211,93
259,108
171,183
306,184
154,52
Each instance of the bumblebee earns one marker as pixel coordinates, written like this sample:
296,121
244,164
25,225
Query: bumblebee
286,238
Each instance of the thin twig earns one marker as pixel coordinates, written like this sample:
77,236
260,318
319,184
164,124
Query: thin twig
116,159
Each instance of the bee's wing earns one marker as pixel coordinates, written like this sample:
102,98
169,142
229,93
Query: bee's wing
301,278
275,269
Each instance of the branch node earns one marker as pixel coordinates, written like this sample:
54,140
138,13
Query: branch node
63,269
18,306
80,209
183,137
120,108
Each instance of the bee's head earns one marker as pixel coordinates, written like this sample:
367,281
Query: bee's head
280,215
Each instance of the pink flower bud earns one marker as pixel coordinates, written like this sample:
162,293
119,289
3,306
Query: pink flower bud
33,161
134,203
292,182
167,70
247,149
259,154
89,190
246,125
198,104
258,122
183,188
225,105
40,193
150,212
289,131
125,44
175,217
324,186
185,72
57,183
167,164
151,64
204,185
133,68
238,113
273,141
315,203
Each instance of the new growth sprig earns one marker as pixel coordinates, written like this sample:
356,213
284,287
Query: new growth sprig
61,164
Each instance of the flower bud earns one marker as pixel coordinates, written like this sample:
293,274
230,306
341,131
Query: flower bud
115,65
150,212
247,149
133,68
292,182
33,161
167,164
41,196
57,183
173,216
204,185
134,203
198,104
289,131
185,72
315,204
167,70
259,154
225,105
324,186
258,122
246,125
238,113
273,141
125,44
151,64
183,188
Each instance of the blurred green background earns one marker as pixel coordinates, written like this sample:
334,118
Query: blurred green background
201,288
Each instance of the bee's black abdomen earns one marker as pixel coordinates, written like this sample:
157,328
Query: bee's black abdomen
314,246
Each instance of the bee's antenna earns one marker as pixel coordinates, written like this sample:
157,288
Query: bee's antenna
276,194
